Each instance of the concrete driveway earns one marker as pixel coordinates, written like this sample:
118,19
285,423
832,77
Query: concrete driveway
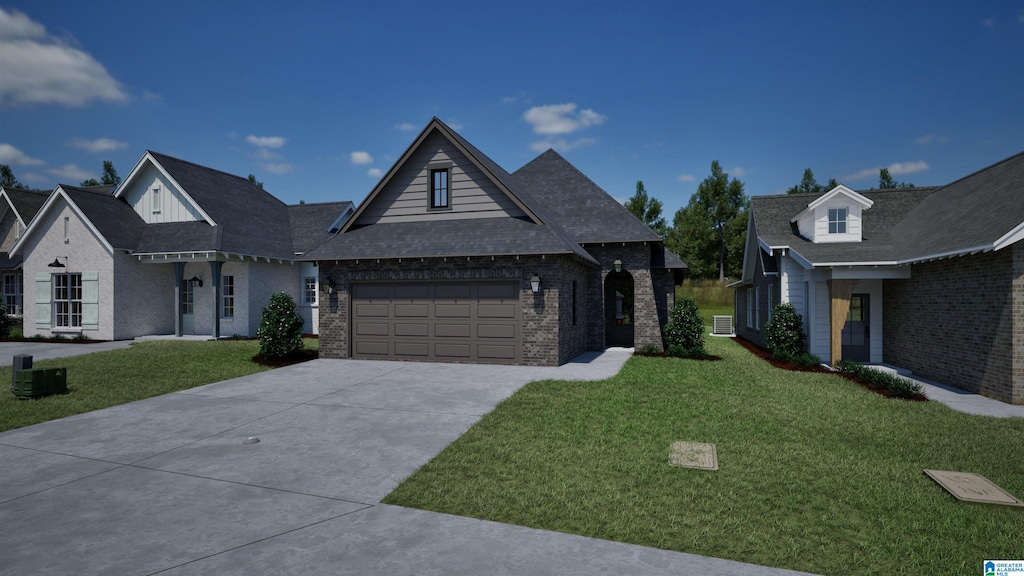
166,485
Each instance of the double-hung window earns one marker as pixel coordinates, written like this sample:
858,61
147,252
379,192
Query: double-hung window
227,297
837,220
440,196
12,293
309,290
67,301
750,307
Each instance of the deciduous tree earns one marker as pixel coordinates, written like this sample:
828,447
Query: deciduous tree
808,185
887,182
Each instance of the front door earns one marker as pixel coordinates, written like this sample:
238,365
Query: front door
618,291
188,316
857,330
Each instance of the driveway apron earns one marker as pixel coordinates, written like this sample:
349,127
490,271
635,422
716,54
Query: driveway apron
170,485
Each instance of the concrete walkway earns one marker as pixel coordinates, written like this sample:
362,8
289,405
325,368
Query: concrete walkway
48,350
166,485
955,398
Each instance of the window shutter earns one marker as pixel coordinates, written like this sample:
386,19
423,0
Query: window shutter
90,300
44,315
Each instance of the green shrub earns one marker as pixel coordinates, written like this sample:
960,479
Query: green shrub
280,330
784,332
681,352
81,337
685,329
896,385
5,323
649,349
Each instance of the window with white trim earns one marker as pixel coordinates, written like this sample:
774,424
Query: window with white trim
13,288
227,297
67,300
157,205
309,290
771,309
837,220
757,307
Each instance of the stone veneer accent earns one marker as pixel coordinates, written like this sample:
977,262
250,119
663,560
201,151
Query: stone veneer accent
960,321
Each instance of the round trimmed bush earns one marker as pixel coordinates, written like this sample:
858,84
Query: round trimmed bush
685,328
280,330
784,333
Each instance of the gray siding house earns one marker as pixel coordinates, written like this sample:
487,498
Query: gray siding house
451,258
926,279
177,248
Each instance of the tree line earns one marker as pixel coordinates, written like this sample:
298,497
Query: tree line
710,232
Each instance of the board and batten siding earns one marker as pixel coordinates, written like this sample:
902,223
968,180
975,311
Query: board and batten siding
405,197
815,228
171,204
820,331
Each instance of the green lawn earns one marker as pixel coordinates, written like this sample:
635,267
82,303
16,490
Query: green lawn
117,377
816,473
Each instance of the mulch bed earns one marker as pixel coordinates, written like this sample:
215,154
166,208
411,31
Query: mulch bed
303,356
765,355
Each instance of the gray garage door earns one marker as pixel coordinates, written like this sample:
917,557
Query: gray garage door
443,321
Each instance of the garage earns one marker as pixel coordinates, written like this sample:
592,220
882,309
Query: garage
438,321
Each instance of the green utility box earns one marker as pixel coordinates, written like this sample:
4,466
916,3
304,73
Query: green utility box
38,382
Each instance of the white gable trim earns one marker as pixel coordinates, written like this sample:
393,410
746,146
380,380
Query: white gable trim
3,193
50,202
864,201
138,168
1011,237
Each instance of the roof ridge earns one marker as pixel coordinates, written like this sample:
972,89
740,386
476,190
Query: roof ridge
993,165
320,203
236,176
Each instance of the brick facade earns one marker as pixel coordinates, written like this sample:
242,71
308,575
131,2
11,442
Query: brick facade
960,321
653,293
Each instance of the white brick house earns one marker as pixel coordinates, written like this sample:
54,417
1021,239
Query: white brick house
177,248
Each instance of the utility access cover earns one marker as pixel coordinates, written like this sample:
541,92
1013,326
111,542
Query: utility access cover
693,455
972,487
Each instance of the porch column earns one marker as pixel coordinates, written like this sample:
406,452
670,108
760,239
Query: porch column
215,279
839,293
179,277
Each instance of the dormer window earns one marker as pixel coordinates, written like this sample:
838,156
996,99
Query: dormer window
837,220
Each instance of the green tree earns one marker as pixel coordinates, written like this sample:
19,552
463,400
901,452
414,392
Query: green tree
808,185
252,178
705,229
7,179
887,182
110,177
648,210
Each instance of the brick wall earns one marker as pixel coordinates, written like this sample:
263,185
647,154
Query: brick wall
264,280
650,302
144,297
959,322
549,338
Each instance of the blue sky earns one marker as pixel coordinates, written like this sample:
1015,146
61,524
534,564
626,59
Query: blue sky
319,99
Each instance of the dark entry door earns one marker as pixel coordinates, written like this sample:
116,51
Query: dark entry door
619,309
857,330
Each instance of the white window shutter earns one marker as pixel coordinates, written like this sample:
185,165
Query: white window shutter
90,300
44,315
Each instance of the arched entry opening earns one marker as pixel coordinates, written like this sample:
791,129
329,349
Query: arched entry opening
618,309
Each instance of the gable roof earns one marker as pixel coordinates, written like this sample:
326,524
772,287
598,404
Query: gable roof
313,224
839,190
26,203
112,217
981,211
880,236
587,213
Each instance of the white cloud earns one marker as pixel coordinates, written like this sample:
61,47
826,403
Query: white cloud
11,155
359,158
455,126
900,168
278,167
264,154
988,22
39,68
737,171
686,178
508,99
560,144
71,172
98,145
554,119
895,169
266,141
33,177
151,96
406,127
375,172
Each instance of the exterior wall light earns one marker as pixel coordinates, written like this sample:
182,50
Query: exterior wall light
535,283
328,286
55,264
196,281
618,265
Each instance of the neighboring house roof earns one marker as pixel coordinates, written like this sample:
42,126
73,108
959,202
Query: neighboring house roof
981,211
588,213
313,224
26,202
772,222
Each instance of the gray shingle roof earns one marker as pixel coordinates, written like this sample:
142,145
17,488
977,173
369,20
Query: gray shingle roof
772,216
586,212
178,237
27,202
435,238
309,223
112,217
975,211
